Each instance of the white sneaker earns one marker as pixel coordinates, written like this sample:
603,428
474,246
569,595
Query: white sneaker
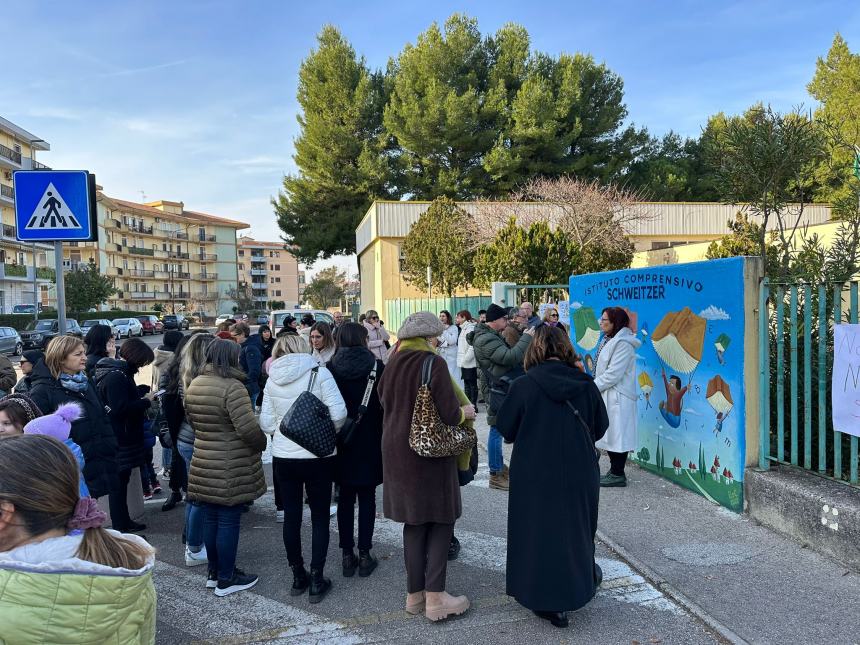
194,559
279,516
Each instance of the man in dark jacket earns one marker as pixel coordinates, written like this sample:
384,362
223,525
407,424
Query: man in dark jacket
495,359
250,357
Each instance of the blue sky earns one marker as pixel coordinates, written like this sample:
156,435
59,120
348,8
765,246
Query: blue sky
194,100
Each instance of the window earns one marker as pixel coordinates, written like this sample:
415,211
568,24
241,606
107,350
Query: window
277,267
241,267
124,240
278,292
278,279
241,253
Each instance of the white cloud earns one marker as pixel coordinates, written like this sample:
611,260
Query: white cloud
714,313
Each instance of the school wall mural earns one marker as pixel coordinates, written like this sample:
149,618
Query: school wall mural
690,367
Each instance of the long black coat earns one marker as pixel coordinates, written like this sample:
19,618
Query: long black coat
359,463
92,432
126,409
555,485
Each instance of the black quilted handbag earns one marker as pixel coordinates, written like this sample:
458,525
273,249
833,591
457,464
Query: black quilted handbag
308,422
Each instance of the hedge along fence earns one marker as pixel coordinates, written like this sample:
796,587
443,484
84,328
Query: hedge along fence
20,321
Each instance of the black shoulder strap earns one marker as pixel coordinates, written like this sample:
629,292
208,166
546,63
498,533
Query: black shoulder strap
427,369
313,379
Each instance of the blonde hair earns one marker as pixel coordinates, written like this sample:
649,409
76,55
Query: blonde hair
193,359
58,351
548,311
290,344
47,503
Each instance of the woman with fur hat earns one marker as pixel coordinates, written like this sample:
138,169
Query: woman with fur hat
407,477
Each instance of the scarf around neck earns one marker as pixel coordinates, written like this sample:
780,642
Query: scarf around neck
74,382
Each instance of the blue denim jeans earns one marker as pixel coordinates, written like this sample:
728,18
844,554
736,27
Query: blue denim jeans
221,535
495,457
193,512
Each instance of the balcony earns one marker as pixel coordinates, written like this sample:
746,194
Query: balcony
160,253
35,165
7,193
143,295
9,157
140,273
200,295
206,257
258,272
181,295
206,238
8,230
259,285
116,223
181,275
145,230
258,258
178,235
139,250
161,274
206,276
19,272
114,272
177,255
44,273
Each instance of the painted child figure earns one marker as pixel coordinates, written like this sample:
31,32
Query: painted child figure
58,425
671,407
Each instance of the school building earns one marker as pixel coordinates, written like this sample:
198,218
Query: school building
670,233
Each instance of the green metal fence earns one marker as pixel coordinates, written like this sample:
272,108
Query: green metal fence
795,368
535,293
397,310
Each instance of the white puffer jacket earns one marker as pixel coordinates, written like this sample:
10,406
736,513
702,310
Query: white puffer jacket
465,352
288,377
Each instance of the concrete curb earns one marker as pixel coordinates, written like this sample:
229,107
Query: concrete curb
726,634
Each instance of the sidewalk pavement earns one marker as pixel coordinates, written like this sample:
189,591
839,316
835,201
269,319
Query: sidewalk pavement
745,581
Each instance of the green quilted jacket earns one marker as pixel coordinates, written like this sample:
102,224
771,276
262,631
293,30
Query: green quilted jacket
48,596
493,354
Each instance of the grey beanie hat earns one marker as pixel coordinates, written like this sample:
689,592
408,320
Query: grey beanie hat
421,324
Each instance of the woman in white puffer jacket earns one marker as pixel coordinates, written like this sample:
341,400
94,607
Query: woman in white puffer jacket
466,360
293,467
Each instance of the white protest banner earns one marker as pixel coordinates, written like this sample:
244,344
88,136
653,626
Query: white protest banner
846,379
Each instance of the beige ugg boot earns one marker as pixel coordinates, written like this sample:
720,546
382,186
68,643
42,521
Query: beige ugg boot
415,603
441,605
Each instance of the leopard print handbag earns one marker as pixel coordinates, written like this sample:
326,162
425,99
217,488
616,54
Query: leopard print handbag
428,436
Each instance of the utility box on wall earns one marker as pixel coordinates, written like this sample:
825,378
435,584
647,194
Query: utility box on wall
698,327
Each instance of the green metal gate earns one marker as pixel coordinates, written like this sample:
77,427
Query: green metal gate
795,368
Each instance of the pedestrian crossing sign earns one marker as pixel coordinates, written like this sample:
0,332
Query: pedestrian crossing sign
55,205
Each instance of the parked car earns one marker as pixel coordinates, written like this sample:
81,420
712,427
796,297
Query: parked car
277,317
262,319
87,324
151,325
175,321
10,341
39,333
223,318
128,327
25,309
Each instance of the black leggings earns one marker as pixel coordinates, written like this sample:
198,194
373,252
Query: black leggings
470,383
366,516
292,477
617,461
118,503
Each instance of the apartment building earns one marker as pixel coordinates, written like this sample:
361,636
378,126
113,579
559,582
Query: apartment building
161,253
270,271
26,269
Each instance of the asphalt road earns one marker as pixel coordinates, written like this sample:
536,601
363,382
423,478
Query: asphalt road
627,609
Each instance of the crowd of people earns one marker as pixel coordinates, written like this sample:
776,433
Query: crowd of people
345,408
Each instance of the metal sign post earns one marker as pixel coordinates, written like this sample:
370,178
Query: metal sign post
55,206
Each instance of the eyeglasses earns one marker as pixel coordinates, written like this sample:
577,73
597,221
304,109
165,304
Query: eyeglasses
374,318
553,315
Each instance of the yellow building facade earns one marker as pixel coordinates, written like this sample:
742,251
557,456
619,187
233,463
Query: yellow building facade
668,232
161,253
26,269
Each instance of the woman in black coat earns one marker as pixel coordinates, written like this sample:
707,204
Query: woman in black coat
100,344
59,379
127,412
553,415
360,459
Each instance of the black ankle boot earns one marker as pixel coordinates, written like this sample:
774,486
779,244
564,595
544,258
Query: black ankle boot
557,618
172,501
320,586
350,563
300,580
366,563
